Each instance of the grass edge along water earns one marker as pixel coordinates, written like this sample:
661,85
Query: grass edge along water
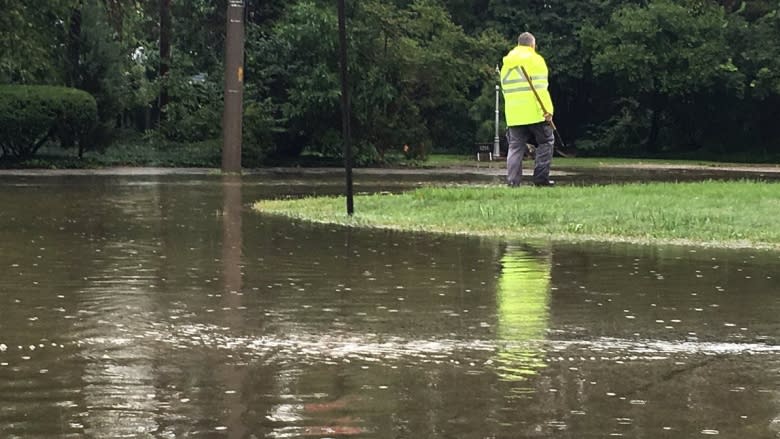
735,214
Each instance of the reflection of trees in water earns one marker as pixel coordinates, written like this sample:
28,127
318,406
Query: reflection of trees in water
124,383
522,298
669,292
117,307
389,283
99,253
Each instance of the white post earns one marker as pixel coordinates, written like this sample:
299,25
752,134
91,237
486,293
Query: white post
496,140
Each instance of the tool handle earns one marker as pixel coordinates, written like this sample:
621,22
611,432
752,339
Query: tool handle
539,99
533,89
541,104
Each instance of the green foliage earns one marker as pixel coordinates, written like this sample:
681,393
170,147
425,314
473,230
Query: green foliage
195,109
199,34
259,128
99,72
663,48
31,37
32,115
667,56
628,77
205,154
133,150
412,71
482,110
625,129
294,63
762,55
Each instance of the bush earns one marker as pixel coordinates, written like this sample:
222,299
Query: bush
33,114
194,112
259,128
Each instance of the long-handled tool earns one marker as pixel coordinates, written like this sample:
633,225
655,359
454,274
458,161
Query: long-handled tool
544,110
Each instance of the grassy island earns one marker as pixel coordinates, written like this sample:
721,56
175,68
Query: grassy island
719,214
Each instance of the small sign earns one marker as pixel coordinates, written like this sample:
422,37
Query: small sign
484,148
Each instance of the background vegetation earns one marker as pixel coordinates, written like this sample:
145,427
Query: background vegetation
689,78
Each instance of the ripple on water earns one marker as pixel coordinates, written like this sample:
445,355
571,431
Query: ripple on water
300,345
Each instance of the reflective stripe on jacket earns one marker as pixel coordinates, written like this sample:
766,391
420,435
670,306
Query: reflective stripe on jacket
520,105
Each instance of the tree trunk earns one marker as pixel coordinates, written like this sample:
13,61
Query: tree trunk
165,54
651,142
115,13
657,109
74,47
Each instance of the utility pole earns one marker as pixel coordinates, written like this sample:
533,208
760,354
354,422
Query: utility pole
496,140
346,112
232,114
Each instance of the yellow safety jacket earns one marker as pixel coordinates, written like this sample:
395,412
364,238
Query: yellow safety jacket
520,104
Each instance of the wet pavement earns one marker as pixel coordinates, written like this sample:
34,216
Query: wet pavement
156,305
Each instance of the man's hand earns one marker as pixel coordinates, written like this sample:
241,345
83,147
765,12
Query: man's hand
548,117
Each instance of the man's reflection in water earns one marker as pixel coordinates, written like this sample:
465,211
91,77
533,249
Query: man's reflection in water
523,311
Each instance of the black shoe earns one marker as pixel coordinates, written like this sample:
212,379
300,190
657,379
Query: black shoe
547,183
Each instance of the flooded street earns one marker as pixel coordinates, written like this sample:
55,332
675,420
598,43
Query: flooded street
163,306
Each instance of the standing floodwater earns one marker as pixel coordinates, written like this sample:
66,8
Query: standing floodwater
163,307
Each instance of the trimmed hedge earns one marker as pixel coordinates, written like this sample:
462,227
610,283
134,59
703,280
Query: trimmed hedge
30,115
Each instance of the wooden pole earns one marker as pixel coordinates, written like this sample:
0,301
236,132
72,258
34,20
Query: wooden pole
234,88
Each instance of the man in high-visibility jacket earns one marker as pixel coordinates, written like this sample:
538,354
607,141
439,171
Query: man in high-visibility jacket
526,119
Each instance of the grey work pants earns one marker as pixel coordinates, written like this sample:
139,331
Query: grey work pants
540,133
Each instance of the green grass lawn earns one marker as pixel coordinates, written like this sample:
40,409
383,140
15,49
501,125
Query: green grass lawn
720,214
456,160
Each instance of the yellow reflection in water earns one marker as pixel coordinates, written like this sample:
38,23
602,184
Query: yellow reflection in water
523,313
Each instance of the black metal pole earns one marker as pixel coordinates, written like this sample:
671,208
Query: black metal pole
346,112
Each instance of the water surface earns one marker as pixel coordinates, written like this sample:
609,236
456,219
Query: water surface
162,306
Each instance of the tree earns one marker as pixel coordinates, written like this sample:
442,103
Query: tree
100,71
418,73
758,55
30,37
664,59
165,53
415,74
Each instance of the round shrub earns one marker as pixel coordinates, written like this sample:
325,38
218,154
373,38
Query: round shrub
31,115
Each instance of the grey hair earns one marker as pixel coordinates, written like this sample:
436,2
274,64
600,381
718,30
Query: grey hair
526,39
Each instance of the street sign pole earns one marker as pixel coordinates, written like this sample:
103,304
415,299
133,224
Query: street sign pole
345,107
